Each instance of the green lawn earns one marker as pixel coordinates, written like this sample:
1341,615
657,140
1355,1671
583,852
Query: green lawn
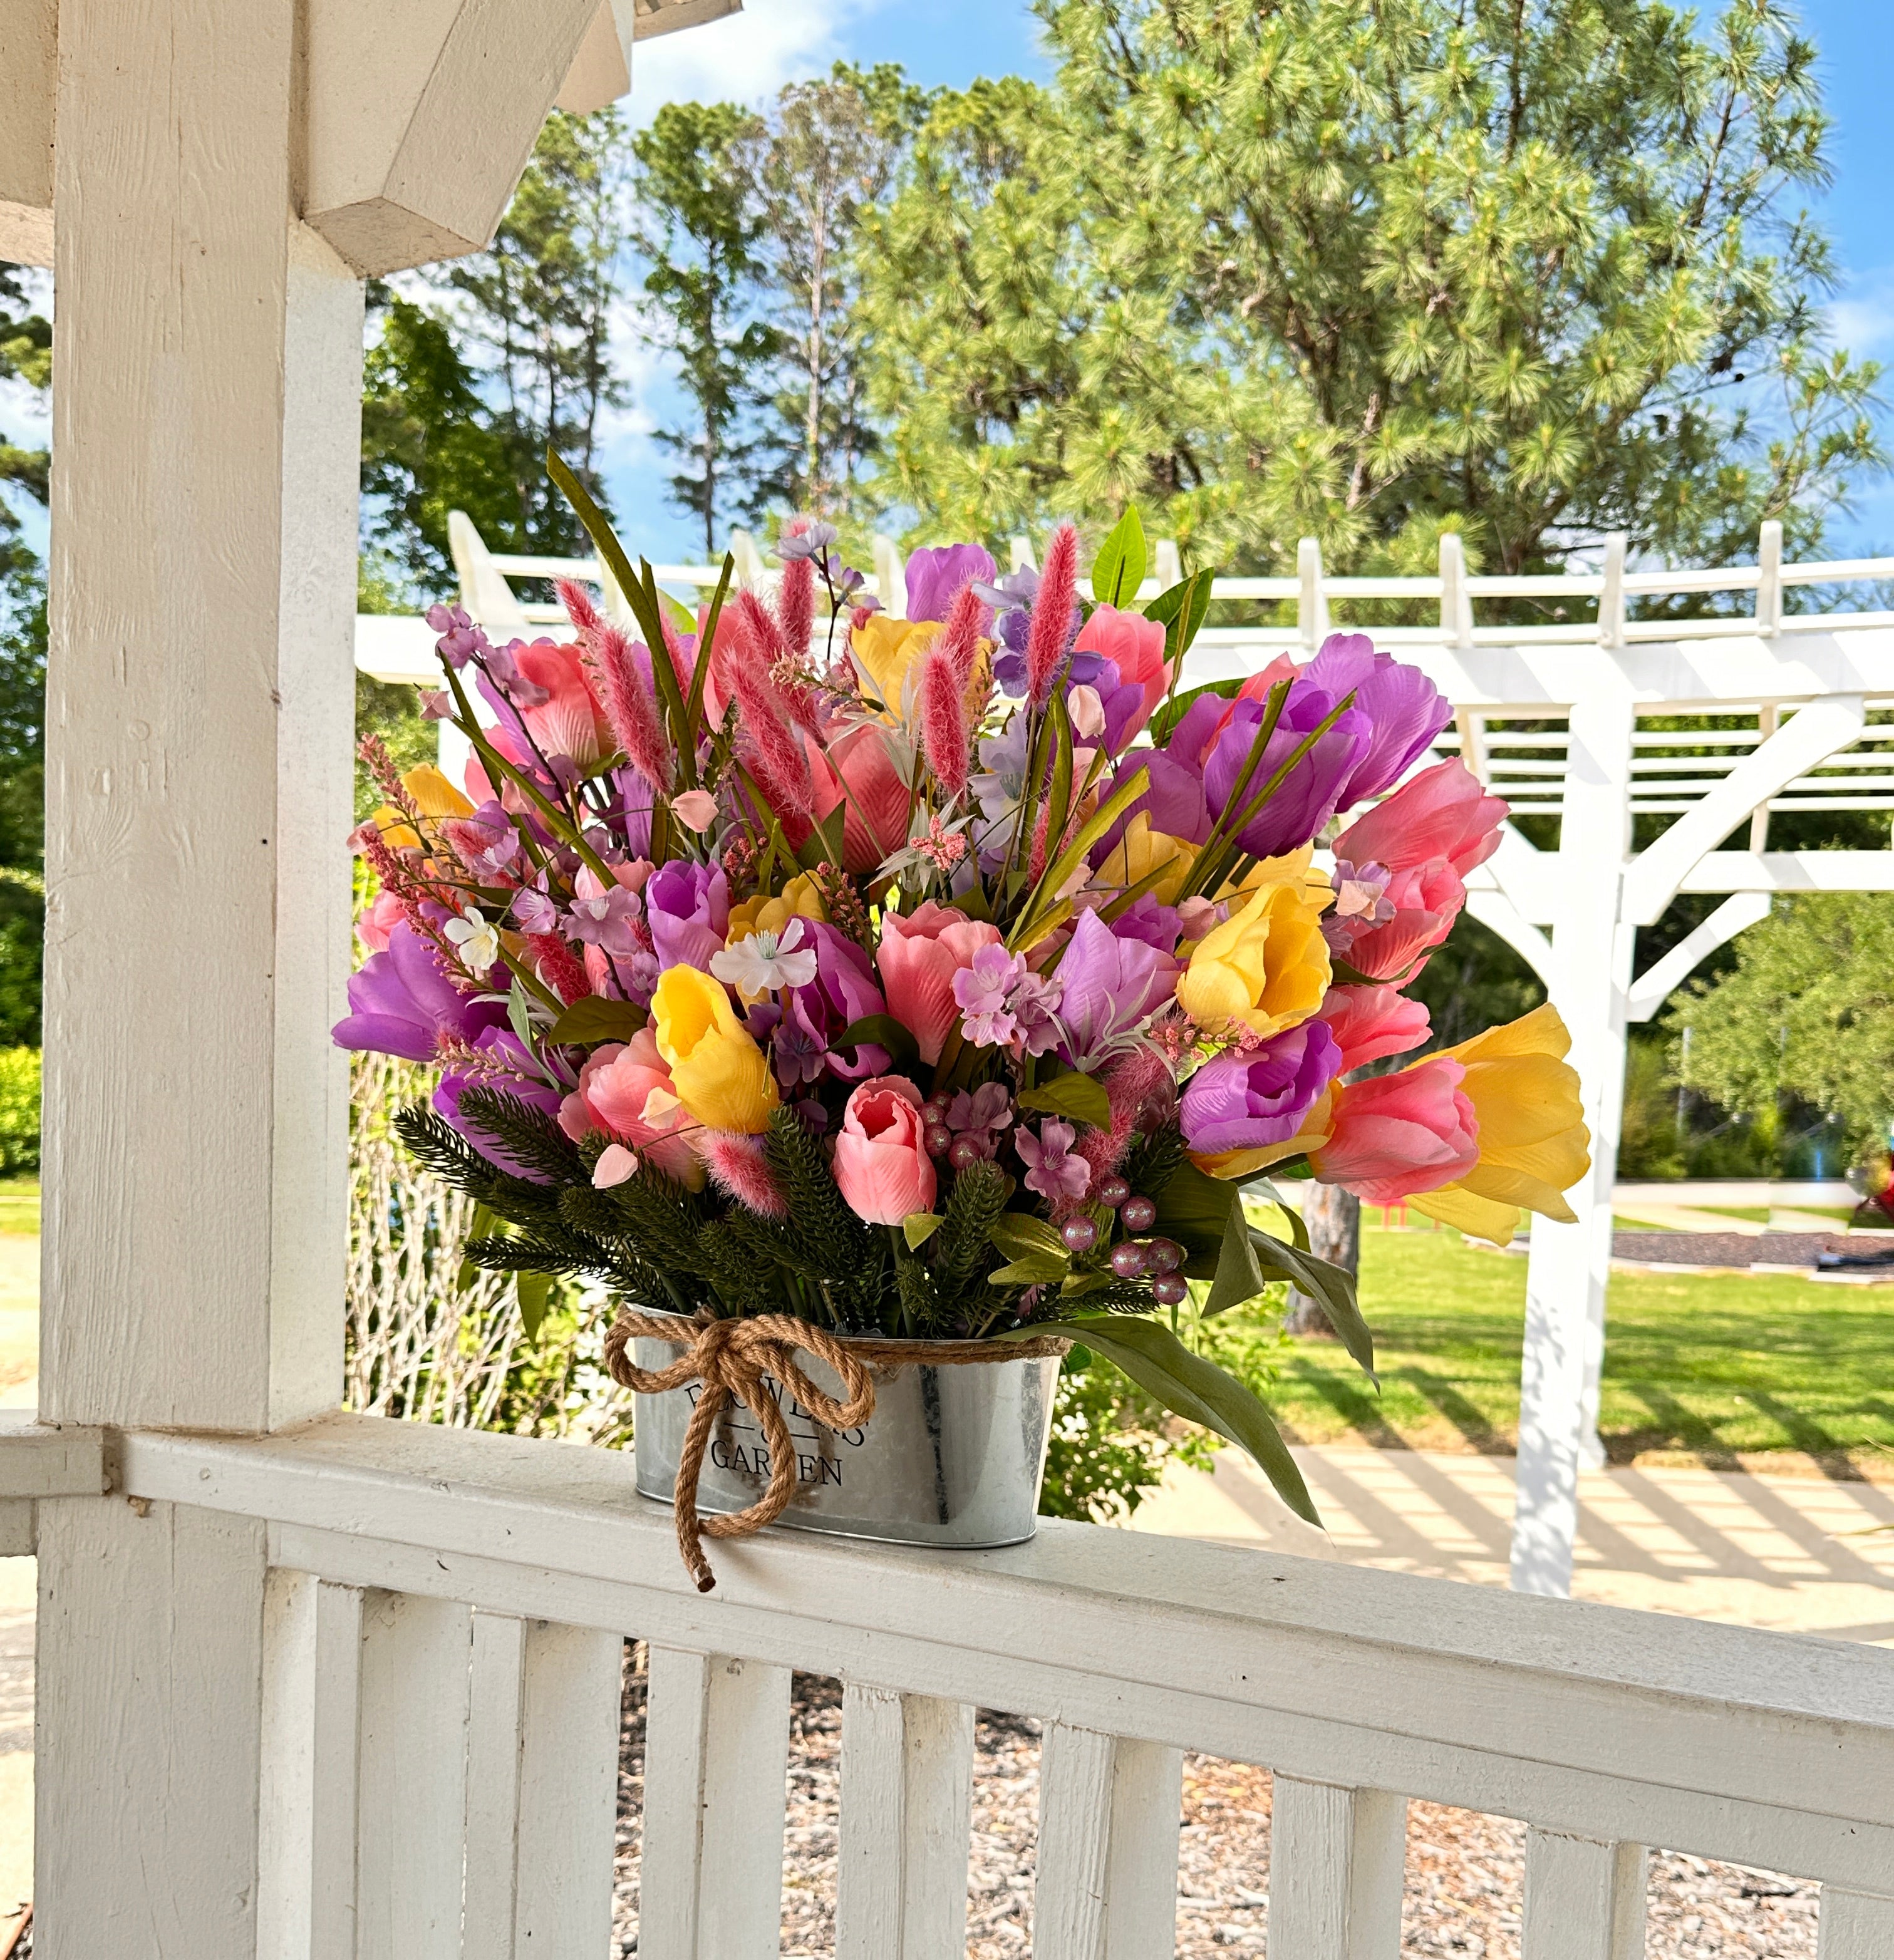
1695,1367
19,1205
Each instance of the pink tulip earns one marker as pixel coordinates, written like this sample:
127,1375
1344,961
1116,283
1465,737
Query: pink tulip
1368,1022
615,1088
919,954
876,825
378,921
1394,1135
882,1167
1441,812
1427,900
1135,646
572,723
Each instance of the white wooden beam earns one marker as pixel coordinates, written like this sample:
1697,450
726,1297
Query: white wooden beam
601,71
907,1798
29,70
1456,602
1816,733
1312,608
1769,585
1106,1885
1584,1900
484,590
1791,871
413,149
890,575
1854,1926
1337,1859
1656,984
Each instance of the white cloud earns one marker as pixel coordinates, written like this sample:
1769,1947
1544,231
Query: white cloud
745,57
1862,319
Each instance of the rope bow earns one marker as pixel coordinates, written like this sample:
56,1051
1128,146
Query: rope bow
731,1358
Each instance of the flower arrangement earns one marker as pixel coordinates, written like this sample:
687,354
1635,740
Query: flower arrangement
945,977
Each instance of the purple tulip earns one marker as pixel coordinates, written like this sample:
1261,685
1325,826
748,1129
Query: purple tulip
1246,1100
1308,797
687,907
1405,708
936,573
403,1003
843,991
1111,985
507,1069
1157,925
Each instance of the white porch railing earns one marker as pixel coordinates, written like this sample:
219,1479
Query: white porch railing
444,1624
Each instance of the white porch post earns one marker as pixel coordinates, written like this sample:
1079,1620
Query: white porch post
1571,1264
199,707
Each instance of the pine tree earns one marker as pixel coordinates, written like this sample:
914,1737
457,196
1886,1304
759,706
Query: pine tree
1535,273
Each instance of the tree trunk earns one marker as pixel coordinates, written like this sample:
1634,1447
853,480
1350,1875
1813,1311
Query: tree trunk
1333,1216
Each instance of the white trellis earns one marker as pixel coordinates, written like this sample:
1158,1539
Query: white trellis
345,1689
1801,682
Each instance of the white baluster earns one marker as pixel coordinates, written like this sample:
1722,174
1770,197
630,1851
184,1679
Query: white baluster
416,1656
569,1791
716,1768
1107,1884
490,1896
1584,1900
1769,578
907,1795
1311,607
1337,1858
1855,1925
312,1660
890,576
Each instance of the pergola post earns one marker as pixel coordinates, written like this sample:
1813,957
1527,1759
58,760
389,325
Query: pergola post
1570,1265
200,705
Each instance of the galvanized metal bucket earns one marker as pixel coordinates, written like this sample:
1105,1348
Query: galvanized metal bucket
952,1455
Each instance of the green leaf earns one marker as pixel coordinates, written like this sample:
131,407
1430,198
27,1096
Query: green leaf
700,675
1239,1278
1181,610
1332,1287
884,1031
919,1227
1161,1365
1194,1209
596,1018
1059,805
517,1017
1118,570
1089,832
533,1290
1080,1097
1022,1236
1035,1271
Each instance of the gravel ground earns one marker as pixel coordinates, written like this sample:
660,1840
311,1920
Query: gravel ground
1464,1870
1739,1249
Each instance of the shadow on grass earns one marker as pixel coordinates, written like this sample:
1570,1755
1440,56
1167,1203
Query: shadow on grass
1359,1409
1475,1427
1672,1428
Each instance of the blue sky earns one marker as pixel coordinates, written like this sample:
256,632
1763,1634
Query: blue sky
949,42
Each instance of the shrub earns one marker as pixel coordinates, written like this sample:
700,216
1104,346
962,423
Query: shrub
19,1111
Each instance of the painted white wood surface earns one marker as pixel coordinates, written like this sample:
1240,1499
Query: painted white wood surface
36,1461
1337,1861
1140,1865
490,1891
716,1770
202,543
568,1793
29,70
1854,1926
416,1660
1584,1901
147,1731
907,1795
312,1661
1074,1843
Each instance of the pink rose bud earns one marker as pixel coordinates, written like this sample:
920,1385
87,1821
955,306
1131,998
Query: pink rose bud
696,809
882,1167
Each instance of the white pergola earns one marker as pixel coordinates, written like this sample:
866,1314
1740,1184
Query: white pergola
1801,685
325,1685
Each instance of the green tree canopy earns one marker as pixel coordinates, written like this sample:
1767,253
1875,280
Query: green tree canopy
1534,271
1807,1012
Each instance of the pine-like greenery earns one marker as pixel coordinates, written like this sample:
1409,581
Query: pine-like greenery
663,1246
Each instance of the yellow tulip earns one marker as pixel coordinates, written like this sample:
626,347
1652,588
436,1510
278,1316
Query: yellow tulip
1139,852
1534,1145
434,796
720,1075
1268,965
799,898
886,650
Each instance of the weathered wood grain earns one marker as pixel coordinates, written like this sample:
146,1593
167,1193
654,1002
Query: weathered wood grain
1337,1860
1584,1901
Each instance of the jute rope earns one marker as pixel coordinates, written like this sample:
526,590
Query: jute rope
731,1358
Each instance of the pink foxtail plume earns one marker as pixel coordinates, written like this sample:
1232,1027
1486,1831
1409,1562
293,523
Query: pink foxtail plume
1051,614
796,605
967,620
628,705
776,758
943,729
683,661
773,651
761,624
559,967
737,1165
1131,1082
579,608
